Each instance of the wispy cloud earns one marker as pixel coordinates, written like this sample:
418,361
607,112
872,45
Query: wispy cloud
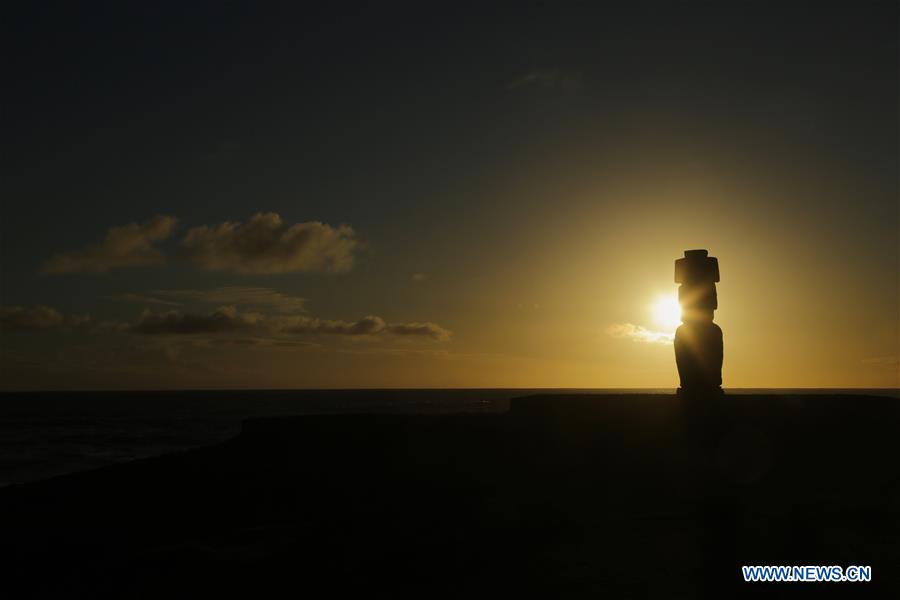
143,299
126,246
253,342
368,326
257,327
638,333
238,296
37,318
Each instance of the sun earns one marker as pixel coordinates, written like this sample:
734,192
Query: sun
667,312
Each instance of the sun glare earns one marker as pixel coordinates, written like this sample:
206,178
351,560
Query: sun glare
667,312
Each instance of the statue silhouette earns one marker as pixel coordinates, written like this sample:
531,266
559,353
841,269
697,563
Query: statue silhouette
698,341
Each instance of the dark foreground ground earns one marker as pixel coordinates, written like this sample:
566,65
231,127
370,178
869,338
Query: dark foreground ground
563,496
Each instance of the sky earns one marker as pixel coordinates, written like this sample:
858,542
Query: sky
256,195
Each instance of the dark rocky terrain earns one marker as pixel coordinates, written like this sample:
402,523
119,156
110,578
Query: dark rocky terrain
563,496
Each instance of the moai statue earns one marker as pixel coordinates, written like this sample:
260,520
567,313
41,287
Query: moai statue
698,341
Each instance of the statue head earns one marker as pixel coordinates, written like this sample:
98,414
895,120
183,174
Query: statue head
697,273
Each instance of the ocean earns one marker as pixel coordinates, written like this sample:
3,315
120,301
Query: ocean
47,434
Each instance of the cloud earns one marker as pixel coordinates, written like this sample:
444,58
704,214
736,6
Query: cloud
112,327
428,329
37,318
257,342
367,326
228,319
256,329
419,277
239,296
563,79
143,299
125,246
639,334
263,245
16,318
224,319
266,244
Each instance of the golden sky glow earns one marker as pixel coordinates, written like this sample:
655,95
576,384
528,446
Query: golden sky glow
491,202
